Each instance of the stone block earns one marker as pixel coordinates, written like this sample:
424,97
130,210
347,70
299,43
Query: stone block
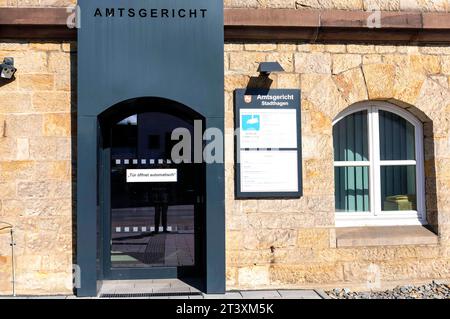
36,82
316,146
23,149
383,5
64,148
372,59
253,276
316,238
49,101
63,81
250,257
15,103
428,64
345,62
446,65
286,60
336,48
44,148
12,170
440,97
249,206
226,61
289,81
266,238
233,240
323,92
352,86
59,263
233,82
7,190
317,62
280,220
294,255
53,170
59,62
38,189
286,47
57,124
31,62
311,273
28,263
380,80
260,47
241,3
385,49
8,149
408,84
23,125
366,272
435,49
233,47
361,48
13,45
49,46
231,276
246,61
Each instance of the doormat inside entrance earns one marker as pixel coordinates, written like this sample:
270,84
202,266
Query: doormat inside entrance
155,250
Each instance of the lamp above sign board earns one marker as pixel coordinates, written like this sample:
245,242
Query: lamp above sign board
265,68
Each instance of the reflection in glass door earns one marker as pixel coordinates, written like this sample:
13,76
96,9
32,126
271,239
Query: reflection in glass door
155,204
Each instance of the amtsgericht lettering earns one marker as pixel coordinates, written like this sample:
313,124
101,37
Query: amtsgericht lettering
183,13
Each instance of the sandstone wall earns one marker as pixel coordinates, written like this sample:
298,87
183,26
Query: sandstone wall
278,243
37,3
36,168
284,243
291,242
389,5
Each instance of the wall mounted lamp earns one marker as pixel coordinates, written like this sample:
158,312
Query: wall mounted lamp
265,68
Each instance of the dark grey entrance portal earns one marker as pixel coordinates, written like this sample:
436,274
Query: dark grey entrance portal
174,55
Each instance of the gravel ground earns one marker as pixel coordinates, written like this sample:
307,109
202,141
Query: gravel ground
434,290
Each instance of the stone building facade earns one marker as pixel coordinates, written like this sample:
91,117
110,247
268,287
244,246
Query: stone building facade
293,242
269,243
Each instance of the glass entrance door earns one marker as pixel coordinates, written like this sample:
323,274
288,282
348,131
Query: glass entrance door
157,210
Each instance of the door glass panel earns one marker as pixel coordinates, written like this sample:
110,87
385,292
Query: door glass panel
397,139
398,188
350,138
352,189
153,201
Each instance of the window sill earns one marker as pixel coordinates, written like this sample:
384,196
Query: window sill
384,236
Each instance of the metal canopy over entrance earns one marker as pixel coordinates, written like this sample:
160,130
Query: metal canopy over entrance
142,69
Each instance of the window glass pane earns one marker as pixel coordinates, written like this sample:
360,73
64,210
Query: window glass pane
350,138
397,140
352,189
398,188
154,223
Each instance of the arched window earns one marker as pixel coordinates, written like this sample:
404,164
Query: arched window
378,166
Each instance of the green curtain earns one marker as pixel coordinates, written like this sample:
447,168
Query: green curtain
350,138
397,142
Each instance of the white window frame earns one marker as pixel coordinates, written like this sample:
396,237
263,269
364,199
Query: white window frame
377,217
